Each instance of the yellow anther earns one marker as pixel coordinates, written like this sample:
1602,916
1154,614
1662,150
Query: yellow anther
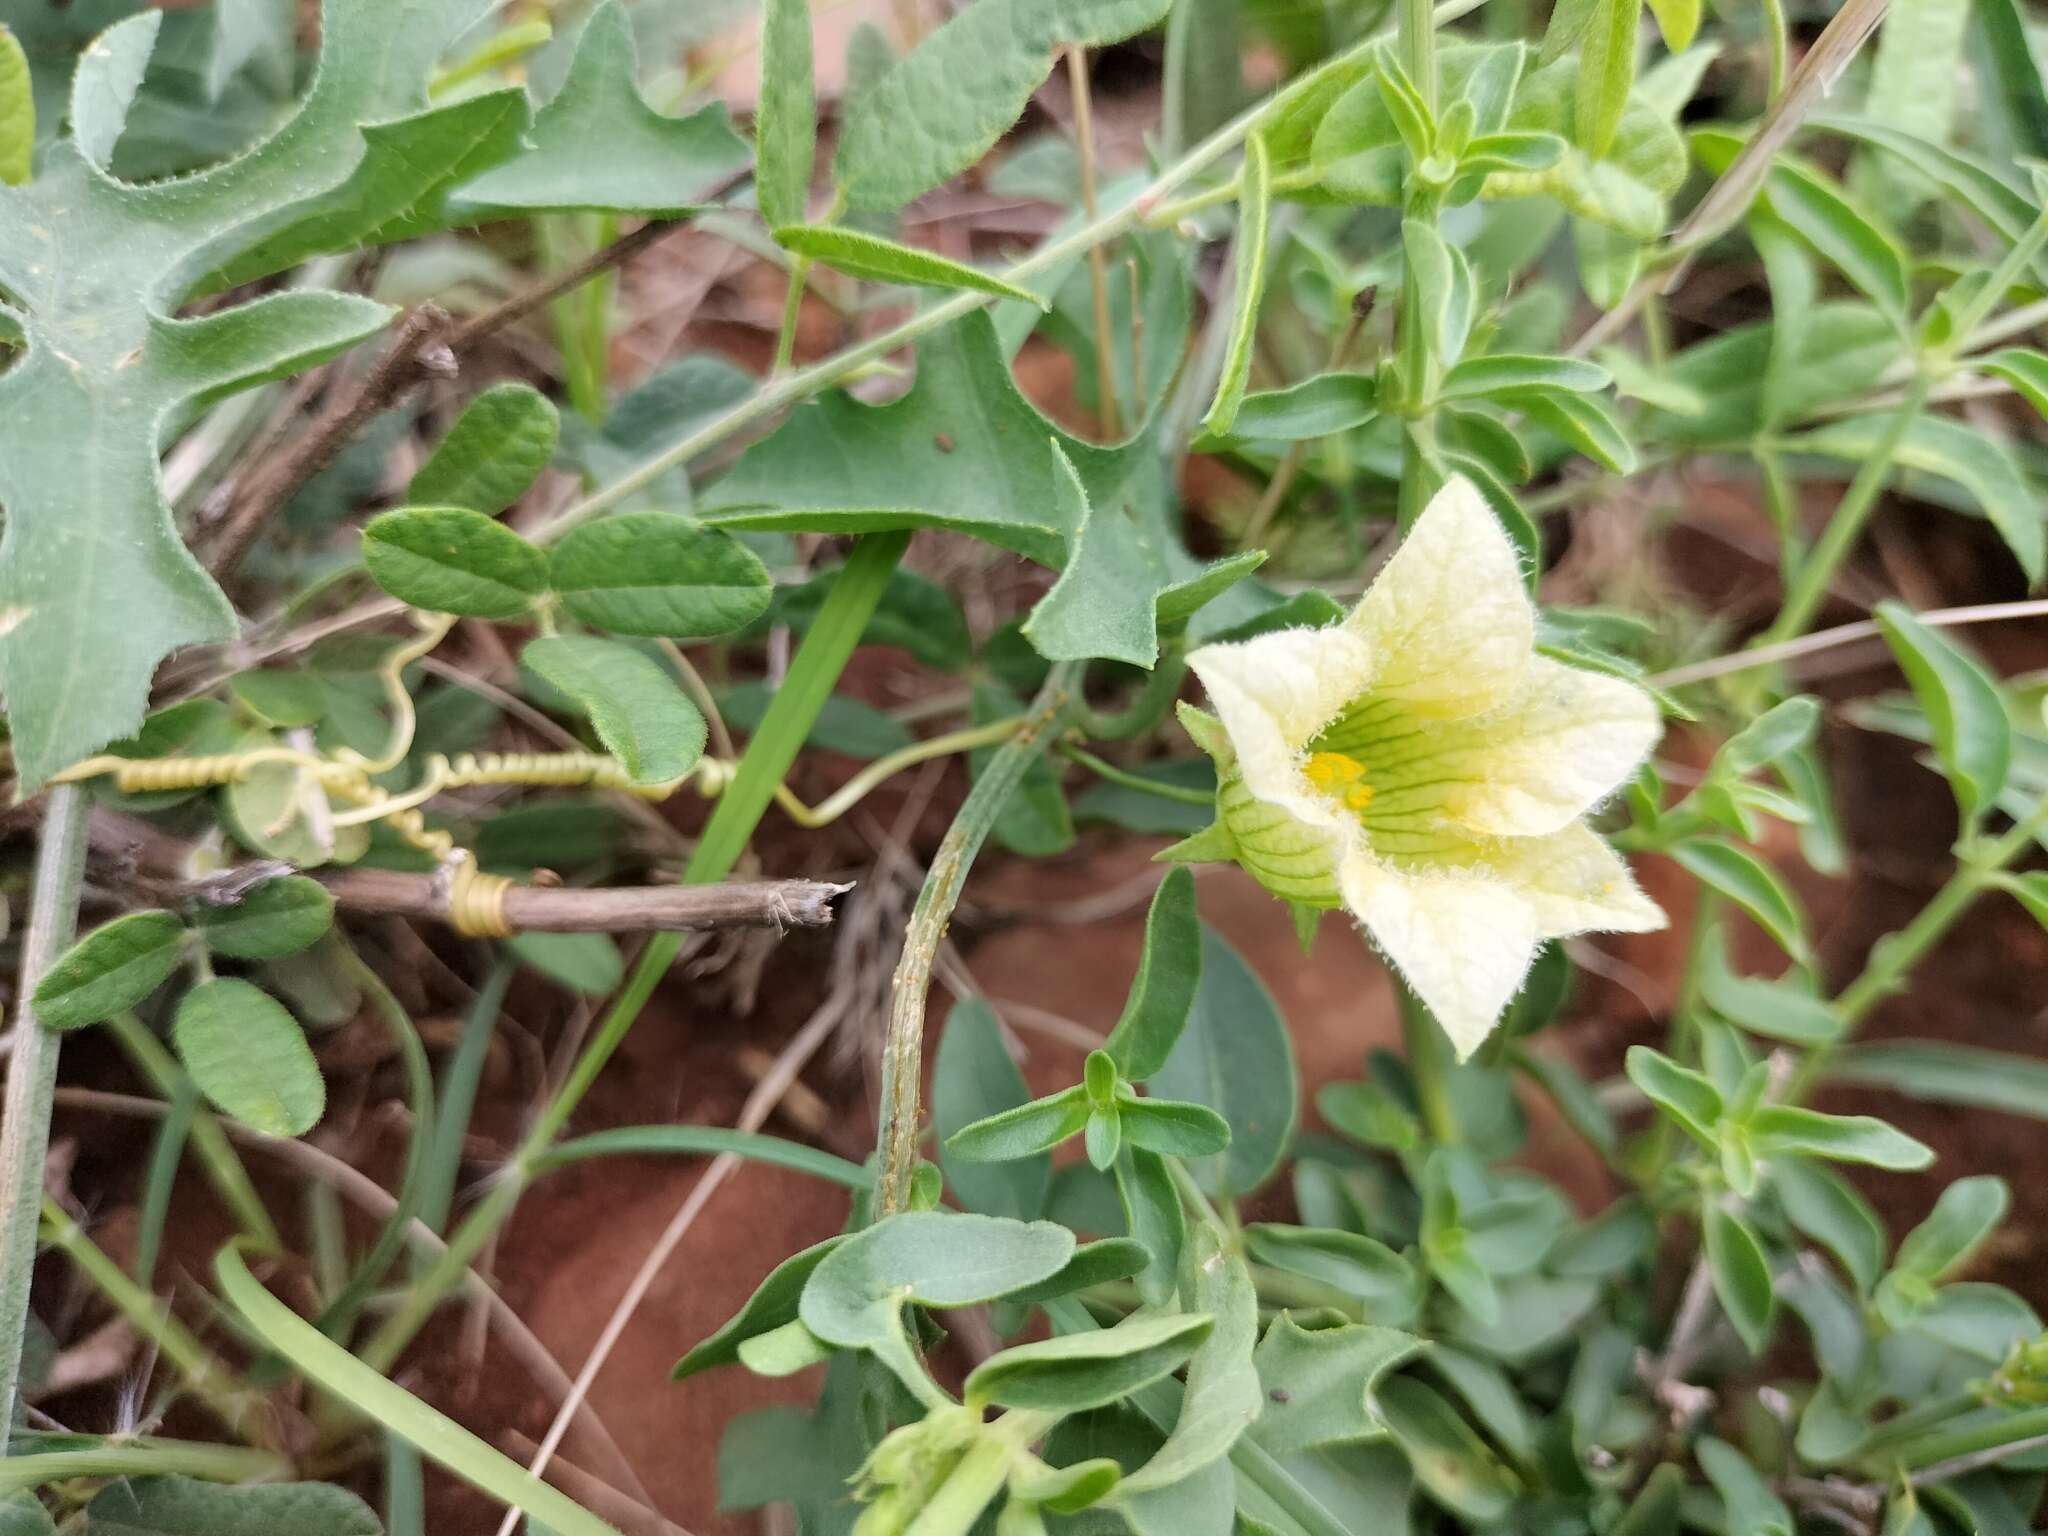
1333,770
1358,796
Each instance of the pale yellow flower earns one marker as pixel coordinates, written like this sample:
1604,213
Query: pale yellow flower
1423,767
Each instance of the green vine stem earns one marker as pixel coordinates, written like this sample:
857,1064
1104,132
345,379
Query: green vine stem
903,1048
32,1076
812,674
1145,710
142,1458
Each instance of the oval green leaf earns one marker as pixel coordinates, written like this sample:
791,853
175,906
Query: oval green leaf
653,573
249,1057
114,967
278,917
454,560
1079,1371
642,717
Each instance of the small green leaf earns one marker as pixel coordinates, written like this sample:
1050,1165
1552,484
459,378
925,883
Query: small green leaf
103,88
1480,376
773,1304
1098,1263
1087,611
1370,1114
1235,1056
1318,1382
1843,1138
249,1057
1078,1371
1679,21
1443,288
114,967
1742,1275
453,560
1685,1095
1784,727
1607,58
642,717
1846,236
1448,1457
972,1079
1169,973
1366,1270
652,573
1967,1212
1778,1010
586,963
1318,407
282,697
184,1506
855,1296
1827,1208
1972,734
502,440
786,118
1172,1129
1026,1131
1751,884
278,917
1153,1215
1223,1396
1515,152
1255,203
1582,421
2025,370
1941,1073
859,254
783,1351
17,112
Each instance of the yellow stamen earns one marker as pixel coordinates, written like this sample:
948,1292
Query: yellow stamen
1340,775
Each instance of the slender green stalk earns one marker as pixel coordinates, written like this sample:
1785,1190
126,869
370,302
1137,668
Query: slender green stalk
800,385
2008,1429
795,707
1810,581
1110,773
206,1377
792,313
903,1048
1150,705
1893,957
458,1095
32,1076
1429,1059
340,1313
166,1153
142,1458
1416,39
217,1155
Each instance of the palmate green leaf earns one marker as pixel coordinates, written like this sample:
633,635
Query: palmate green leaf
1248,263
1163,992
114,967
249,1057
772,1306
859,254
964,450
642,717
1078,1371
1972,733
278,917
94,583
183,1506
454,560
598,146
503,439
973,1078
1086,613
943,105
786,119
652,573
1235,1057
17,112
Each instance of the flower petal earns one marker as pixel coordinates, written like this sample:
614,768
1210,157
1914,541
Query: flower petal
1462,942
1273,693
1571,881
1448,621
1568,739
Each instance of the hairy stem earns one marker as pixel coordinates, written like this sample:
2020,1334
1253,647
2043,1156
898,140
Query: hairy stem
32,1076
903,1049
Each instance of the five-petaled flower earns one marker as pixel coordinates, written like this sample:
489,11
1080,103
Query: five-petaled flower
1421,765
